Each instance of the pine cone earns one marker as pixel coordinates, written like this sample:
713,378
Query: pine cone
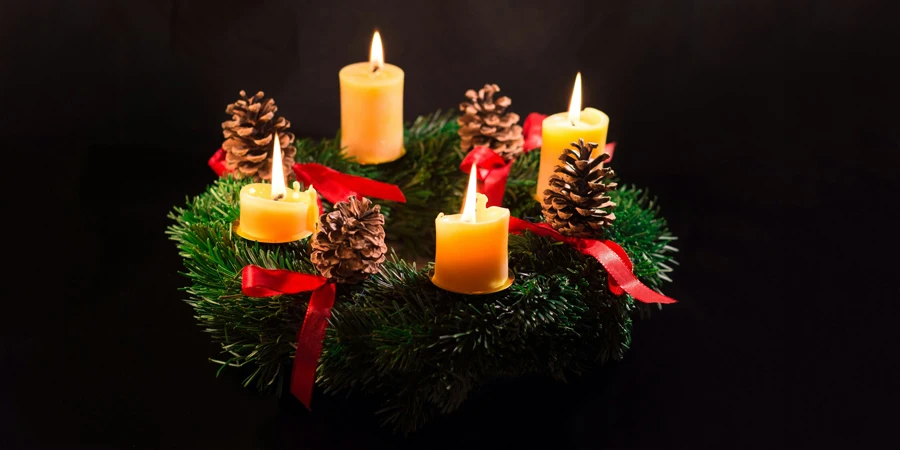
349,245
485,122
577,203
249,136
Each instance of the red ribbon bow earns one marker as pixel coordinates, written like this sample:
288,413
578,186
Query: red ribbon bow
532,128
492,171
217,163
531,131
332,185
259,282
335,186
608,253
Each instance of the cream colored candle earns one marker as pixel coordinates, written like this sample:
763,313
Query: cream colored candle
559,131
372,109
274,214
472,248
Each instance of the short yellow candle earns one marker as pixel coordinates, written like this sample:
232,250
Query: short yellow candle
274,214
472,248
372,109
560,130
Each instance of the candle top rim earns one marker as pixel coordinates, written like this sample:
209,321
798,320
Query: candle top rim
362,71
494,213
590,118
264,190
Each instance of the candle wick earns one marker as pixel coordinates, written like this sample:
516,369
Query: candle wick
278,197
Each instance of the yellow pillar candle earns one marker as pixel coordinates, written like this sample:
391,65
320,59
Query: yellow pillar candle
372,109
272,213
559,131
472,248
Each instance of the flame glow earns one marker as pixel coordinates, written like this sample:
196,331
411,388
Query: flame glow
575,104
468,212
376,54
278,187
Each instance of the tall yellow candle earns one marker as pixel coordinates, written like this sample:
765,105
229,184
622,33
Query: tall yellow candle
372,109
274,214
472,248
560,130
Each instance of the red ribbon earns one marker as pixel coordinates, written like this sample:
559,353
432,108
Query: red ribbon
492,171
217,163
259,282
611,256
335,186
532,128
531,131
609,150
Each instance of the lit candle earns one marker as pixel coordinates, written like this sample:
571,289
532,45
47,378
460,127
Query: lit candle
372,109
560,130
472,253
274,214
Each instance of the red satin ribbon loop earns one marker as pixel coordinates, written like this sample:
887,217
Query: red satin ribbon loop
531,131
492,171
484,159
609,150
309,342
217,163
620,252
336,187
259,282
610,255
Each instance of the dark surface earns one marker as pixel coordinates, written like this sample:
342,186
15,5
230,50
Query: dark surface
767,129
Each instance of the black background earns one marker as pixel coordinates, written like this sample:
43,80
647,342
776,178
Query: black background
768,130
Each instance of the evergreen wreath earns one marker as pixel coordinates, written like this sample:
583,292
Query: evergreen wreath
396,336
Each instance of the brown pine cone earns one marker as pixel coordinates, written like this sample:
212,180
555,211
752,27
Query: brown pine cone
485,122
249,135
577,203
349,245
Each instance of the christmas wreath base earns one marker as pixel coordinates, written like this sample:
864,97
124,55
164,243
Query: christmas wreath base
396,335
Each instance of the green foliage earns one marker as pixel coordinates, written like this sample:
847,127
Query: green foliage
396,336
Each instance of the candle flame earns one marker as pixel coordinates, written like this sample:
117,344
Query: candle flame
278,187
575,103
376,54
468,212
